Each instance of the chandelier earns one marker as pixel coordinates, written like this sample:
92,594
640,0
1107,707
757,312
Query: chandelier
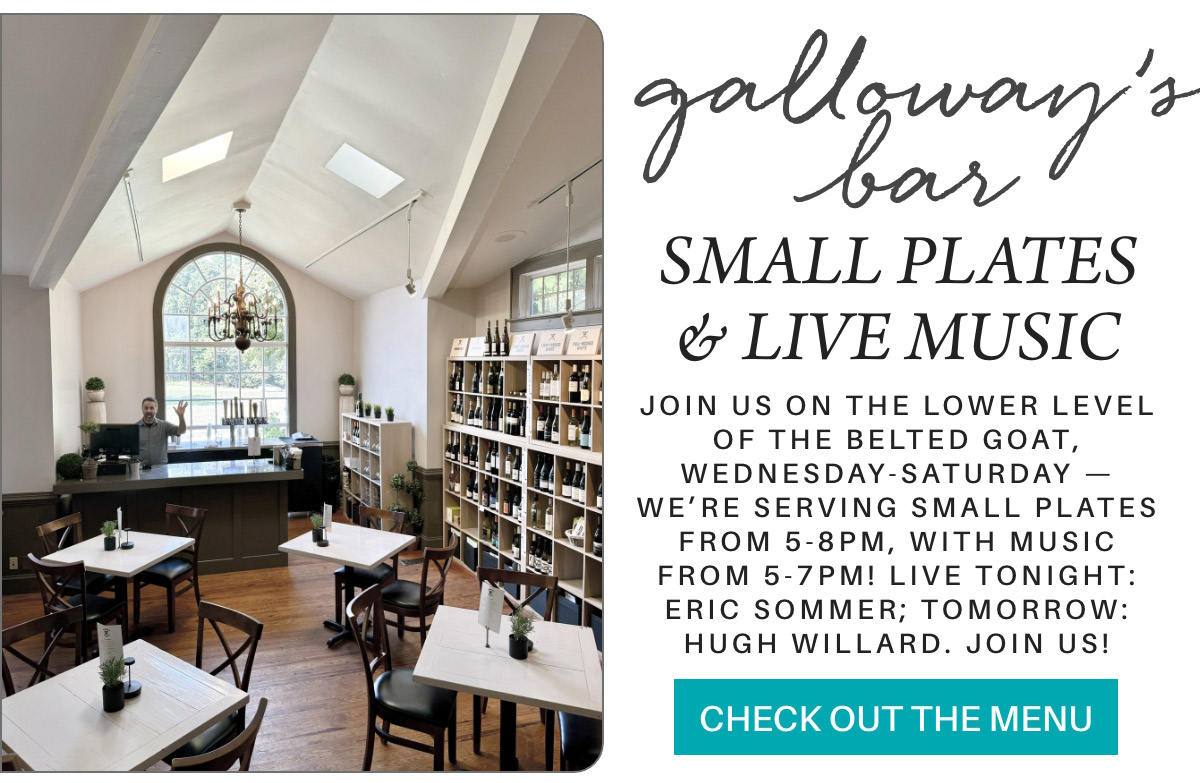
244,316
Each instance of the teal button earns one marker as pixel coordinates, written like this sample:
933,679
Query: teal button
895,717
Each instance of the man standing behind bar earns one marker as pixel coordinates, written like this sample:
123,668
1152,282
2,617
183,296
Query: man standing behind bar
153,434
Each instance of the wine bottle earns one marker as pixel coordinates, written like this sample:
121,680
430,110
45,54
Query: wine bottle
516,546
517,511
541,424
585,431
573,428
508,463
504,343
548,519
573,384
533,512
581,485
568,483
554,432
549,474
597,541
487,340
585,385
600,493
555,385
475,379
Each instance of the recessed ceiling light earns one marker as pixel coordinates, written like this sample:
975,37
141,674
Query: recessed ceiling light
509,236
203,154
363,172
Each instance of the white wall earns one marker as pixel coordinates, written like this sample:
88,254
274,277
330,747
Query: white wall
451,316
118,341
492,301
66,359
391,336
28,431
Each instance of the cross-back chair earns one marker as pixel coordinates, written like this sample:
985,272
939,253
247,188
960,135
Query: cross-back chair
393,697
51,627
360,578
237,751
53,580
68,531
411,599
177,569
535,585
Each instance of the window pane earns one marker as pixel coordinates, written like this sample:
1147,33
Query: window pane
202,386
275,359
579,300
177,387
550,284
177,359
252,360
562,302
535,306
227,359
578,278
276,385
277,410
175,301
212,265
199,329
189,278
536,288
251,386
175,328
202,360
227,386
201,414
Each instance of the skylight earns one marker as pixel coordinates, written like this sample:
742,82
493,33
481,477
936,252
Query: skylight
196,157
363,172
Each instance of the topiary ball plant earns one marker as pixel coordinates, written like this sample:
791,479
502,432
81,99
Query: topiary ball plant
95,383
70,466
346,379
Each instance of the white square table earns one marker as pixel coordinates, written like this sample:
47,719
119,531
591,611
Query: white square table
148,549
353,546
60,723
562,671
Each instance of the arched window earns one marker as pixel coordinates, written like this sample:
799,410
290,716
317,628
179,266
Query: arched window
190,367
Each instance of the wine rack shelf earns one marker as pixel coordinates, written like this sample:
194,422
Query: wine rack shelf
372,451
494,459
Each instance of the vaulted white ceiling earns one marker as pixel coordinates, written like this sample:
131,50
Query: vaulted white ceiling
485,114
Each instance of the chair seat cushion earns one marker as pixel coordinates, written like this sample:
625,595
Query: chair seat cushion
396,691
404,594
365,577
96,583
582,739
167,571
97,606
209,739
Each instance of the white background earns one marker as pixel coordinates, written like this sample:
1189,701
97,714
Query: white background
735,175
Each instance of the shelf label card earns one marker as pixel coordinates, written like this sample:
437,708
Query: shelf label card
584,342
476,347
491,604
459,346
551,343
522,344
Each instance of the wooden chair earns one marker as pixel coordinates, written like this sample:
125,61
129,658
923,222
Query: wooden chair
174,570
582,741
410,599
230,727
393,696
381,574
52,580
51,627
67,531
536,584
240,749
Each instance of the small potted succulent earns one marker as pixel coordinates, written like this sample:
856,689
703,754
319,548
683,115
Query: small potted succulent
391,413
346,384
111,672
378,411
520,626
319,533
109,531
95,388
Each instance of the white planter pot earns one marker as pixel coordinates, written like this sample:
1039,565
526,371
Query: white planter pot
345,390
95,396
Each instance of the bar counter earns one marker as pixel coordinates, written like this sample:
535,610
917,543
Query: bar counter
247,503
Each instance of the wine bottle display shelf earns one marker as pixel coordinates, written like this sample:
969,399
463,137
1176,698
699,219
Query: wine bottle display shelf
372,451
492,451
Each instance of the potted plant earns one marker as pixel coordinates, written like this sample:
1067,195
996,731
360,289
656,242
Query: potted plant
413,488
109,531
111,671
69,466
378,411
391,413
520,626
346,384
95,388
319,533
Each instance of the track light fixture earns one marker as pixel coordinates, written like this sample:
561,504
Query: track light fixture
410,286
568,319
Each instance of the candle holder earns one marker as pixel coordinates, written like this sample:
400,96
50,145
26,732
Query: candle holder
133,688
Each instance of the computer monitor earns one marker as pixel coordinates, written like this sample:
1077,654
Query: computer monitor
116,440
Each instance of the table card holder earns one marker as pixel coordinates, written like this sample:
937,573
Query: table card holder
133,688
122,531
491,604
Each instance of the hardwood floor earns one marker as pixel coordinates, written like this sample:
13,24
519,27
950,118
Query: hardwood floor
316,718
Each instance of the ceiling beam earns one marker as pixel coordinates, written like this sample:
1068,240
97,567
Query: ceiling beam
537,48
162,57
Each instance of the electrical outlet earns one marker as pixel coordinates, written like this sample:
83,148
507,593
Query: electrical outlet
12,564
